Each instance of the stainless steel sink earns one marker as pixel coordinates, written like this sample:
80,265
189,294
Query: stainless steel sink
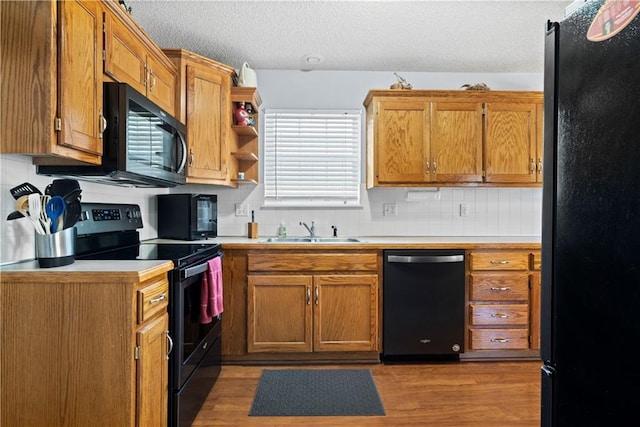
310,240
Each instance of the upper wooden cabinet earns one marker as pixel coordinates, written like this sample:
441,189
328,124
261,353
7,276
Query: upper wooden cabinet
204,106
426,138
131,57
417,141
511,142
52,80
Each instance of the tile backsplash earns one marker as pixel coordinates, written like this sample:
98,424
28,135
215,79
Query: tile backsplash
491,211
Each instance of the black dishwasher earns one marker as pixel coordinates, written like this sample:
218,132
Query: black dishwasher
423,304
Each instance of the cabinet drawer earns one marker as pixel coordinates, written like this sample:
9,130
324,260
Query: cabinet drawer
499,314
536,260
152,299
499,339
312,262
499,260
499,287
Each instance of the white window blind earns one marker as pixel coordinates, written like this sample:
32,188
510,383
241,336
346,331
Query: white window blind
312,157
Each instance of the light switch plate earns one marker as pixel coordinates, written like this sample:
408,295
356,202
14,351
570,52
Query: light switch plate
242,209
389,209
464,209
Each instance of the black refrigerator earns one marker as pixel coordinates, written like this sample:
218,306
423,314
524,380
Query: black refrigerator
590,320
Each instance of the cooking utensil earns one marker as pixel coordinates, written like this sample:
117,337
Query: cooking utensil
24,189
35,209
55,208
14,215
72,213
62,187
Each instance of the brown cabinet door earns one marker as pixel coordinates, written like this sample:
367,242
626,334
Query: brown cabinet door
207,123
456,142
279,313
402,141
161,84
345,312
80,75
510,142
152,373
125,56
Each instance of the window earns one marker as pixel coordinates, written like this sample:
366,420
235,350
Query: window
312,157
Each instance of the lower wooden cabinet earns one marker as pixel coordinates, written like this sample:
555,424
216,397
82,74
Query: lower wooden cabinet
84,349
503,308
301,304
304,313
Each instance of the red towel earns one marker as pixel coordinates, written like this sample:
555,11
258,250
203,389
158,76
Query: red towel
211,291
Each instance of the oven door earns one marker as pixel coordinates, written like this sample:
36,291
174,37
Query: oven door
192,339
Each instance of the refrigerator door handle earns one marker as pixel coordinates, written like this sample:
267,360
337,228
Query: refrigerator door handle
547,370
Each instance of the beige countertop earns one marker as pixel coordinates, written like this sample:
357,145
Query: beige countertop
100,270
380,242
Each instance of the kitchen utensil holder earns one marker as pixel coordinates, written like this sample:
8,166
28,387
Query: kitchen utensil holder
57,249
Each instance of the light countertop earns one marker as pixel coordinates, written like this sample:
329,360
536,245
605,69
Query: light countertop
379,242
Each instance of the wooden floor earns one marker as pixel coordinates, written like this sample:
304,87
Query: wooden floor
496,394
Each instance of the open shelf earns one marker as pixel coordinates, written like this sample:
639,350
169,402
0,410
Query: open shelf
241,155
245,181
245,130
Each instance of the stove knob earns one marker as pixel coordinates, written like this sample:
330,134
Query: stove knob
128,214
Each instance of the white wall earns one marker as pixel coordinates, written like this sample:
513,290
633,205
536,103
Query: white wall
492,211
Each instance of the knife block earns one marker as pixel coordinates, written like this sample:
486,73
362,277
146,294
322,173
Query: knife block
252,230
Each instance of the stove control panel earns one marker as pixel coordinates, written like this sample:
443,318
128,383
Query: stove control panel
108,217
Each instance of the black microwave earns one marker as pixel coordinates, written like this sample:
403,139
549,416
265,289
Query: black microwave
187,216
143,145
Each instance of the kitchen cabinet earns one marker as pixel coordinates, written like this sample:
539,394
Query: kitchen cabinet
305,313
130,56
513,141
535,285
204,93
301,304
418,140
51,104
503,315
90,347
429,138
245,138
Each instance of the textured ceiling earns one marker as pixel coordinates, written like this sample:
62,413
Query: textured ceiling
427,35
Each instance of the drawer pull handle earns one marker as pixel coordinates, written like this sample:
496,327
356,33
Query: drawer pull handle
500,289
158,299
502,262
317,295
500,315
501,340
308,295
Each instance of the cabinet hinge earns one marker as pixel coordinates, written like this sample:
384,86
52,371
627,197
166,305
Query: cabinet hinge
530,283
136,352
104,55
57,124
484,109
484,174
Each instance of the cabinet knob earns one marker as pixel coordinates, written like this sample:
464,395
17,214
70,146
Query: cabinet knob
426,165
435,165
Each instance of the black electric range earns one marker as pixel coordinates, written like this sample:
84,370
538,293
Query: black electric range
109,232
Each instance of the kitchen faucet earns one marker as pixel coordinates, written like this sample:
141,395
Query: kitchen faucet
312,230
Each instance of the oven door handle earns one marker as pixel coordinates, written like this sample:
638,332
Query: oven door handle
197,269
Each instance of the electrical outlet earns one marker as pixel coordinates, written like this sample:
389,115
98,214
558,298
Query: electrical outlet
464,209
389,209
242,209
